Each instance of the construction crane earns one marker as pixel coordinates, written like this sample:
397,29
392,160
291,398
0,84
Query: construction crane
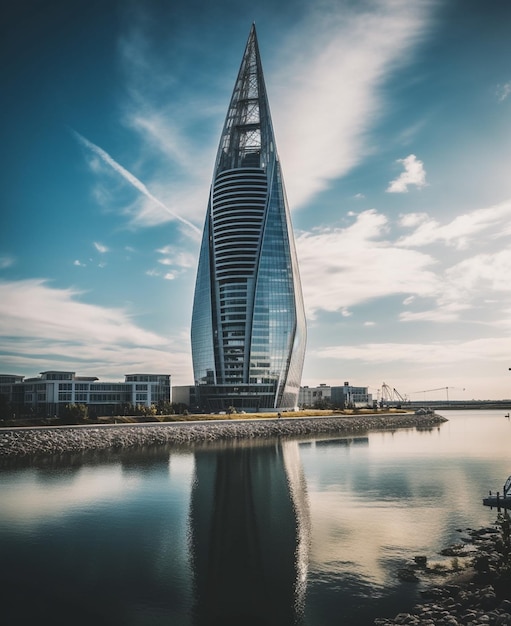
391,395
446,389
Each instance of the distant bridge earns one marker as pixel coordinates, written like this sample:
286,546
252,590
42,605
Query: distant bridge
462,404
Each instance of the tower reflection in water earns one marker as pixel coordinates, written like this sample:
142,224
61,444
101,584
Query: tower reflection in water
249,534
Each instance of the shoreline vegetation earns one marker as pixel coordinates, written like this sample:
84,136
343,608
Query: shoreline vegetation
123,433
186,416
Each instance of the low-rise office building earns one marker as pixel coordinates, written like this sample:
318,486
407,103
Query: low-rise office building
52,390
339,396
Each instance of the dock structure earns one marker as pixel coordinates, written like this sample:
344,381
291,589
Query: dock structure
500,501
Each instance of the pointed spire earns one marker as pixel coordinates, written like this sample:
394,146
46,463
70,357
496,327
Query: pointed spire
247,136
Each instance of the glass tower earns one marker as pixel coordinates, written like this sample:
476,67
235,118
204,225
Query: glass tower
248,322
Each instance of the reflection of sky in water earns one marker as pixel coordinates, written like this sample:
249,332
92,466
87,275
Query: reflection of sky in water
121,534
32,496
374,506
97,559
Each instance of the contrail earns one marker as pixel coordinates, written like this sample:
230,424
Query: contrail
133,180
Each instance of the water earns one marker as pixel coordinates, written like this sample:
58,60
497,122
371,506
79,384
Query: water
308,531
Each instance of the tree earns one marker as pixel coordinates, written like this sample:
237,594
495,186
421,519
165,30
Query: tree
74,413
165,408
180,408
6,409
323,404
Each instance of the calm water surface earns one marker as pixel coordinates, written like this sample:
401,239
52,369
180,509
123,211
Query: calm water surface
307,532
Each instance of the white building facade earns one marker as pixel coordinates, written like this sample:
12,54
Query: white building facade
51,391
339,396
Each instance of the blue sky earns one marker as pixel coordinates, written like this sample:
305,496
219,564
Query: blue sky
392,121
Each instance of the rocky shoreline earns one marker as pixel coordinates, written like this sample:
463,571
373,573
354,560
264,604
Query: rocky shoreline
478,595
30,442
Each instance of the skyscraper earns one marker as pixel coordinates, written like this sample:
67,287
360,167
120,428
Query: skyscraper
248,323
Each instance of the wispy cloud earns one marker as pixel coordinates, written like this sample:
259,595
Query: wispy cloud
365,262
324,80
427,353
414,175
6,261
486,273
461,231
171,117
172,255
326,94
101,248
446,312
41,326
136,183
33,307
357,264
503,91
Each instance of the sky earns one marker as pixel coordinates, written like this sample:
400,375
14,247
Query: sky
392,122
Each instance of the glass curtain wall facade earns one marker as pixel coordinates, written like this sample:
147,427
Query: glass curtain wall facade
248,323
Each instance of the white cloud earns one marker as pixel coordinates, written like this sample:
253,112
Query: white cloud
407,135
160,130
341,268
191,229
430,353
327,86
44,327
445,312
176,257
480,274
503,91
459,232
414,174
33,308
325,93
100,247
5,262
164,115
78,263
